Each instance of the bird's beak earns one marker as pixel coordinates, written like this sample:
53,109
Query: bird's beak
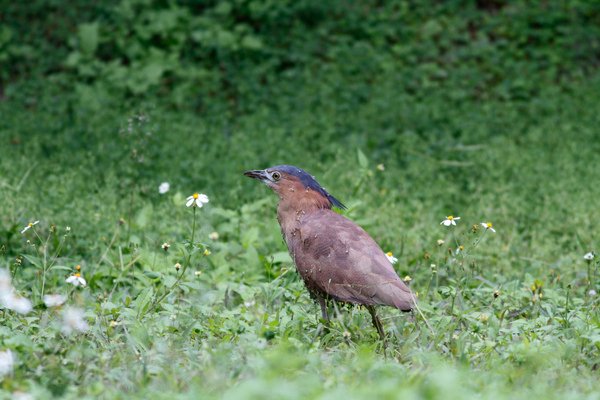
259,174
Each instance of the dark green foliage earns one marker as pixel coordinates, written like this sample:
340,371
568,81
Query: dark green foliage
196,51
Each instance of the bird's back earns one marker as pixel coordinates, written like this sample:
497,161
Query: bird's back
338,259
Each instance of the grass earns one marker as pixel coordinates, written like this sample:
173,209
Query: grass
511,315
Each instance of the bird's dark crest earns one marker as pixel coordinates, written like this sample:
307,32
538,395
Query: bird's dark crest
309,182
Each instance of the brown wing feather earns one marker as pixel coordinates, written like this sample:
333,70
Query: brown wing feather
337,257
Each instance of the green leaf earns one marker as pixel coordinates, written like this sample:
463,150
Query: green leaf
61,268
34,260
363,162
144,216
280,257
152,72
142,302
252,43
152,274
232,299
88,38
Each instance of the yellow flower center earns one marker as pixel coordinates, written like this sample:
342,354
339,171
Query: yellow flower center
450,218
488,224
389,254
195,196
30,224
78,267
461,247
77,274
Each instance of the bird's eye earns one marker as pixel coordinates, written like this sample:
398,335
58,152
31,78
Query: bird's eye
276,175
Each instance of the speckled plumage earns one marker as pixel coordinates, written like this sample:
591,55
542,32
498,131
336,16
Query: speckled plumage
338,259
335,257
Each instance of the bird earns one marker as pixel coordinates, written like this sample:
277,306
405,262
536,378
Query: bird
336,258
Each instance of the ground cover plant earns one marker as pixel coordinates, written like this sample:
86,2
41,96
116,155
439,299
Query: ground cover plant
111,286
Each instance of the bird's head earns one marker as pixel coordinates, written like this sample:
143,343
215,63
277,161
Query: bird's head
295,184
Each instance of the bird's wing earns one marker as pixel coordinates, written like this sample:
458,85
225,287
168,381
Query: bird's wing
339,258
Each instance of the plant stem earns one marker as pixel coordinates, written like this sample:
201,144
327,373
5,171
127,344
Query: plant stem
589,275
185,266
45,260
479,239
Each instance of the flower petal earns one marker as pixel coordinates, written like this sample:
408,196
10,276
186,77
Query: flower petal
189,201
203,198
54,300
82,281
199,203
21,305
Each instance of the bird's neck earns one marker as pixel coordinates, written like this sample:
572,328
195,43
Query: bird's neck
292,209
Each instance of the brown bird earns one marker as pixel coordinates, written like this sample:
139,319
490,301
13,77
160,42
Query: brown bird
336,258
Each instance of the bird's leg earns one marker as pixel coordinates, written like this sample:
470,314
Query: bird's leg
378,325
324,313
325,327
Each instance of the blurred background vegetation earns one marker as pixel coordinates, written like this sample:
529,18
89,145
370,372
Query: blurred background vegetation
195,53
466,103
303,82
486,109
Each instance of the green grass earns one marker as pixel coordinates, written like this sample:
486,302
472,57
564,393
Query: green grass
240,324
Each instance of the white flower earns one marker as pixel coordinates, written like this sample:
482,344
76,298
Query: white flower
488,225
54,300
164,187
73,321
196,200
16,303
165,246
391,257
213,236
9,299
7,362
29,226
22,396
450,220
589,256
440,242
592,293
76,279
5,284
